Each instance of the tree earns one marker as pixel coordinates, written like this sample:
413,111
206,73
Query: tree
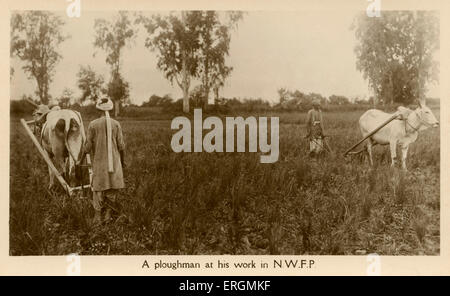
197,96
315,96
35,38
90,83
395,53
118,89
214,41
66,98
283,95
175,39
157,101
111,36
338,100
218,81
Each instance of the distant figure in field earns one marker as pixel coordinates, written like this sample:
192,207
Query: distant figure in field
314,127
106,180
40,117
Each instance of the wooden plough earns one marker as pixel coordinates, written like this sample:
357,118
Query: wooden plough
44,154
394,116
325,146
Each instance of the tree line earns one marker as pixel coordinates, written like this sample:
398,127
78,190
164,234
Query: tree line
287,101
394,53
189,45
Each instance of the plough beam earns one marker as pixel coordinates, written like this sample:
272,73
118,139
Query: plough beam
394,116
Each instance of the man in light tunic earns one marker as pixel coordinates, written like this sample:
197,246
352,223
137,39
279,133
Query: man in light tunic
315,131
105,184
40,117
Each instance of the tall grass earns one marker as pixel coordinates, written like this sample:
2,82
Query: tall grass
230,203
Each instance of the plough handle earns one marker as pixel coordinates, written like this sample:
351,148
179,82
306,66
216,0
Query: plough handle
46,158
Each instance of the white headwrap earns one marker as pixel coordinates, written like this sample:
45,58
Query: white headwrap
104,104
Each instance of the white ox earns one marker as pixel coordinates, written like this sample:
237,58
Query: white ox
402,131
63,140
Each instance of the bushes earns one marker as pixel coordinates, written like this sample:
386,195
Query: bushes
164,108
21,108
157,101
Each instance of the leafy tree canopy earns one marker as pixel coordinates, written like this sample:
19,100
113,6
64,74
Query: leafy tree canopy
395,53
35,38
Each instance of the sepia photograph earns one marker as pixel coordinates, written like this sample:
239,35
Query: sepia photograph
224,132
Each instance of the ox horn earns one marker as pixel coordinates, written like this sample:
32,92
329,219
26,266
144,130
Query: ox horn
422,102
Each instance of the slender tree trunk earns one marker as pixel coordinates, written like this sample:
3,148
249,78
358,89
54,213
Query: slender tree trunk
420,83
216,95
43,94
419,36
116,108
206,98
391,89
185,85
185,81
185,98
206,85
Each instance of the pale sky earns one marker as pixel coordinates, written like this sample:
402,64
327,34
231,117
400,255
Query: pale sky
309,51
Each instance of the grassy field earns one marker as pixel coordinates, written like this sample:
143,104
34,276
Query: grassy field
230,203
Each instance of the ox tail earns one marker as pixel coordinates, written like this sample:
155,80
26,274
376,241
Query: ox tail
75,160
83,134
66,143
72,158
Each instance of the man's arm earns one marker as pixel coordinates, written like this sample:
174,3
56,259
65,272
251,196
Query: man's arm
308,125
120,145
88,146
122,157
321,124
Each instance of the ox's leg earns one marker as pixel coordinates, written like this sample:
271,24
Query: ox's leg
369,151
393,148
52,179
404,154
50,174
59,165
66,172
